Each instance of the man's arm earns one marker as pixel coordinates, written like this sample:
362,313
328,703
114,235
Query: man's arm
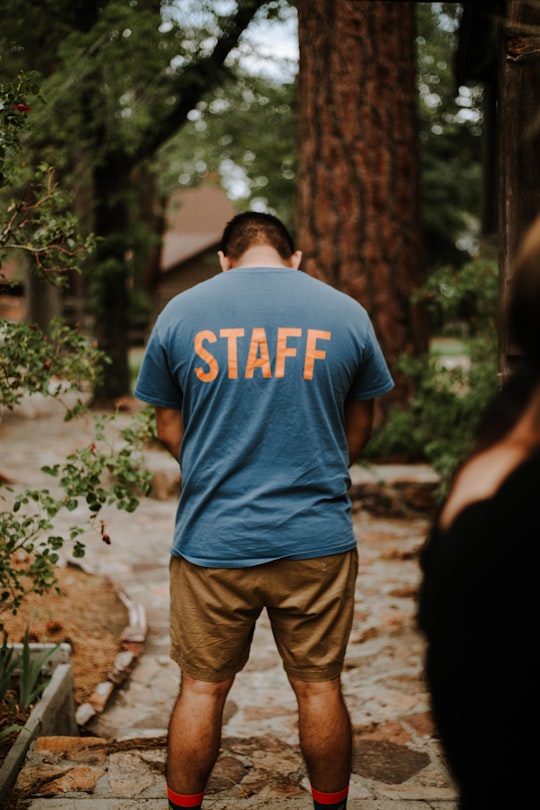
170,429
358,425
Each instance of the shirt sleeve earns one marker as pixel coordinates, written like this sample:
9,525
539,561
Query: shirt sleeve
373,377
155,383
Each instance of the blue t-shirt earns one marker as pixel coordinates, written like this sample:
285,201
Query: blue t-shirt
261,361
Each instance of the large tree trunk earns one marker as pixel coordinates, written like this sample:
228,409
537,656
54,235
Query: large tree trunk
358,207
44,301
109,283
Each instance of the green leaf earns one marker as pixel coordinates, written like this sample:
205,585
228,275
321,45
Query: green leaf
32,681
10,729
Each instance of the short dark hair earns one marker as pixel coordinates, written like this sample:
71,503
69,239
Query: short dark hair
255,228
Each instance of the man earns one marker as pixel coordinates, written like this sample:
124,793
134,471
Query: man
264,381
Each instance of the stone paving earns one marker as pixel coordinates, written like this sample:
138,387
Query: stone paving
118,762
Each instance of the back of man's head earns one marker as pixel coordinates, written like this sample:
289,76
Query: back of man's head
253,228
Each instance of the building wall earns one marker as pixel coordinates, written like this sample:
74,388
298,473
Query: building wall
186,275
12,308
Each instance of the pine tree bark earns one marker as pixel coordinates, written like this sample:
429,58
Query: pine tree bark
358,209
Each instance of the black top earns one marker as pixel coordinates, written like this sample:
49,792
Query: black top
479,608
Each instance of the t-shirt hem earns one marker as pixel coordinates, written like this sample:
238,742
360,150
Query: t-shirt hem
151,400
251,562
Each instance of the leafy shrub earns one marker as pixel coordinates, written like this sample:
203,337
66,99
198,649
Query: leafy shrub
440,421
109,470
32,679
53,365
463,301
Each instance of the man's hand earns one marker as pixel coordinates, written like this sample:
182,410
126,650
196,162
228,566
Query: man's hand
170,429
358,425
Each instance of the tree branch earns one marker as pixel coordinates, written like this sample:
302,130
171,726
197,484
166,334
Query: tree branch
197,79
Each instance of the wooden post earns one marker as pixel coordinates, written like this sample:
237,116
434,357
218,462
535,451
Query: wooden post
519,147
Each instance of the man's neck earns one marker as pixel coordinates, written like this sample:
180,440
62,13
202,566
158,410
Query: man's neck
261,256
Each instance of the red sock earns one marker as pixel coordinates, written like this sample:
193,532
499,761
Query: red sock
179,800
330,801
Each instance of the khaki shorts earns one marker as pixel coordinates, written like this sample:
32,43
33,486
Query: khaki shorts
310,604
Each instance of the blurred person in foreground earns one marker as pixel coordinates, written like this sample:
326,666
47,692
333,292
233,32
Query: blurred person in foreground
264,381
478,599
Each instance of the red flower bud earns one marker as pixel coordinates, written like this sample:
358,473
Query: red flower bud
22,108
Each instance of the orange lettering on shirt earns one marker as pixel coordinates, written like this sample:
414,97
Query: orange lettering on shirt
312,353
232,335
204,354
258,356
283,350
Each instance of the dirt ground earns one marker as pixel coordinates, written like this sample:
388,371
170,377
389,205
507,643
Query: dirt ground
88,614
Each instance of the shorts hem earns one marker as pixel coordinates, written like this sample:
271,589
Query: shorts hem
205,674
314,676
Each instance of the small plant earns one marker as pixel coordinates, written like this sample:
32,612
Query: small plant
24,675
31,675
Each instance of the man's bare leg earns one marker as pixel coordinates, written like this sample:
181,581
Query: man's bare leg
195,733
325,733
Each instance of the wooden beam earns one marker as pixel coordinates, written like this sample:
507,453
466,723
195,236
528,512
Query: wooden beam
519,147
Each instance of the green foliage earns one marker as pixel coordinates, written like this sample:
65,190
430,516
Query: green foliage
5,732
462,300
39,225
53,365
243,131
32,681
36,220
13,114
450,128
24,673
119,79
243,135
130,84
441,419
106,472
449,395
